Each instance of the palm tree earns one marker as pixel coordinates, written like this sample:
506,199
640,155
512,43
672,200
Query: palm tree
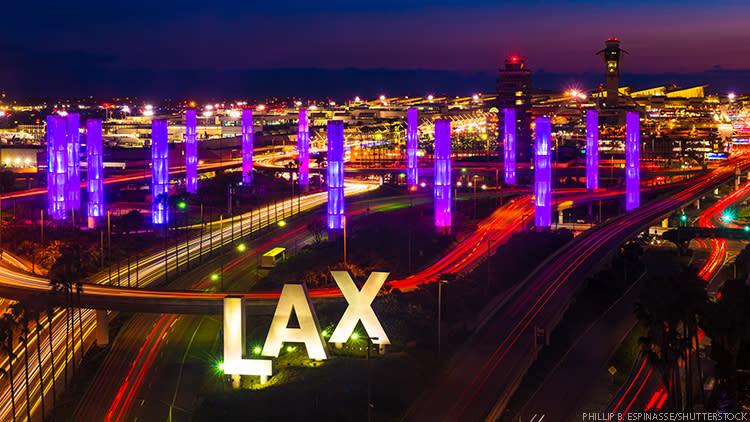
6,338
64,275
19,313
669,307
49,308
35,309
60,288
79,289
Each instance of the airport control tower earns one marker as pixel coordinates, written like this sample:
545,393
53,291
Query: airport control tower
612,56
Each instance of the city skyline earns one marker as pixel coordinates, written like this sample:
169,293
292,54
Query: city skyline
116,48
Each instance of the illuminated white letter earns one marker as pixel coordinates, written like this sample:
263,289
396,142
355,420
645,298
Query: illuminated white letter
295,297
234,341
359,308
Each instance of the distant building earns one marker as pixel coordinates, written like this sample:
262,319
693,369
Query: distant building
612,57
514,91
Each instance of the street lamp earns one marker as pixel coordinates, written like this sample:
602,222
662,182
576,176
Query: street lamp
489,246
440,307
356,336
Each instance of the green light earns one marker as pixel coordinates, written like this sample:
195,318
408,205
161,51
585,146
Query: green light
182,205
463,170
683,217
289,349
257,350
402,175
355,336
241,247
726,216
214,277
221,366
747,228
324,333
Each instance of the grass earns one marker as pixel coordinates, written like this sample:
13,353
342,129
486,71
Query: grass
334,390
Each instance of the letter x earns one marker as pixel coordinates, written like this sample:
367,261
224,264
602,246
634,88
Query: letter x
360,307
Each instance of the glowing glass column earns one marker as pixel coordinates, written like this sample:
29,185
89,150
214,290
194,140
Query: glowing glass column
592,149
159,172
335,178
57,168
509,145
442,175
632,161
247,146
94,168
73,131
191,152
303,149
543,173
412,145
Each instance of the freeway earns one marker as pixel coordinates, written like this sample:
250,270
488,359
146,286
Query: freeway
643,390
130,375
135,176
482,375
218,237
466,254
63,348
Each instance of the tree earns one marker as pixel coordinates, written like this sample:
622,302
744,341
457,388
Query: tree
7,325
132,221
316,228
36,307
64,275
20,315
669,308
727,323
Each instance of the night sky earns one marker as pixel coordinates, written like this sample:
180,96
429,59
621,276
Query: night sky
105,46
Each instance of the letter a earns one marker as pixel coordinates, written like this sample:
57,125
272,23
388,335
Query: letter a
295,297
360,307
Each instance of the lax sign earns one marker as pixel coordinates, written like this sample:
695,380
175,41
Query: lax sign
296,297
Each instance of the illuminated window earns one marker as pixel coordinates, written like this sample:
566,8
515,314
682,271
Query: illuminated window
519,102
519,93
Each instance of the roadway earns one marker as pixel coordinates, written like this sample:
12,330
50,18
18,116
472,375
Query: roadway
142,380
224,236
643,390
482,375
19,285
132,385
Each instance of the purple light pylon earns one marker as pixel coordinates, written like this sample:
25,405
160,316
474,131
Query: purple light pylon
303,150
73,144
509,145
592,149
94,168
442,175
159,172
543,173
57,167
191,152
247,146
632,161
335,178
412,145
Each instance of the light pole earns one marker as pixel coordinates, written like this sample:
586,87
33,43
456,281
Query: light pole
523,223
440,308
369,378
344,224
489,246
474,182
